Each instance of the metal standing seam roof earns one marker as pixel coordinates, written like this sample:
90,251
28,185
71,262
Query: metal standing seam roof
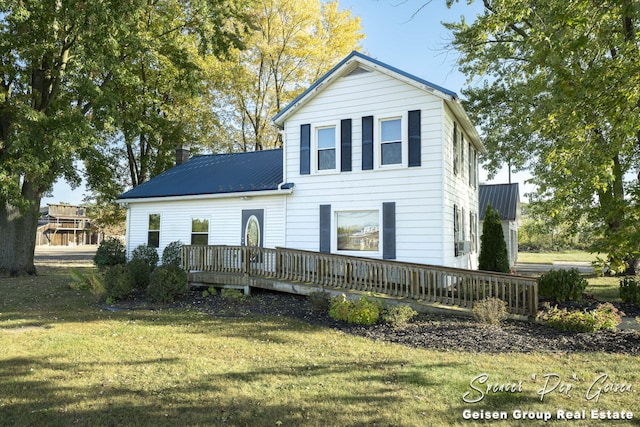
503,197
215,174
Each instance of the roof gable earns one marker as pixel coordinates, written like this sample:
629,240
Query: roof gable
215,174
357,63
505,198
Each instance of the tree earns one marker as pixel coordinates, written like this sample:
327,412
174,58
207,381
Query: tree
493,247
557,91
294,43
61,63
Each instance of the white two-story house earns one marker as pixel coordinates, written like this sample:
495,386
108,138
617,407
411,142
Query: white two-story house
375,163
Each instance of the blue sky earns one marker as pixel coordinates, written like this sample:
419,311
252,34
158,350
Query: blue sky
399,33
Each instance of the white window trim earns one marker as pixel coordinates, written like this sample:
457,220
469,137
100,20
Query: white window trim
159,230
208,233
404,140
334,230
314,147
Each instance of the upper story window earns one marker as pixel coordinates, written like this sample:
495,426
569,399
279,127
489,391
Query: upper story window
153,236
326,145
391,142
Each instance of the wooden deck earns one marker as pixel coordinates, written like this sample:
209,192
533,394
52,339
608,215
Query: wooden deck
303,272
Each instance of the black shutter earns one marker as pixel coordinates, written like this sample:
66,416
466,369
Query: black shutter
414,138
345,145
367,143
325,228
389,230
305,149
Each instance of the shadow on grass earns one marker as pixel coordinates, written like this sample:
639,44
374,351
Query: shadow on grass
213,399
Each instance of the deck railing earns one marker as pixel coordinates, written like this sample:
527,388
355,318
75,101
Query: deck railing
450,286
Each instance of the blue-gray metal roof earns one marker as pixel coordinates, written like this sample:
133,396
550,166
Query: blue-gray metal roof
215,174
503,197
367,58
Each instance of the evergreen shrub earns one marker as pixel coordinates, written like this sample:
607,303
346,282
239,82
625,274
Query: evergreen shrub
118,282
630,290
172,254
167,283
110,252
493,248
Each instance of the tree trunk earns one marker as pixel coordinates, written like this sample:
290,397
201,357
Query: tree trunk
18,234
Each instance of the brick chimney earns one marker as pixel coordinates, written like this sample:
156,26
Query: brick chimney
182,154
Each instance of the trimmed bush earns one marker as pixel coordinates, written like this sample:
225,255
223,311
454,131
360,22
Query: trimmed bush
167,283
172,254
630,290
493,248
110,252
490,311
118,282
562,285
146,253
604,316
319,301
364,311
140,273
398,315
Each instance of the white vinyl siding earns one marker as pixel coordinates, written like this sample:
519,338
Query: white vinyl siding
224,215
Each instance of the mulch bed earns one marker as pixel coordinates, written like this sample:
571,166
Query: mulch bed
435,332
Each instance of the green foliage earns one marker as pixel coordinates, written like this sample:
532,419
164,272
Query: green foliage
493,248
172,254
398,315
167,283
364,311
118,282
562,285
605,316
630,290
319,301
140,273
93,282
490,311
542,108
231,295
146,254
210,291
110,252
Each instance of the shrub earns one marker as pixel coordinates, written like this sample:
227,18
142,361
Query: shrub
118,282
604,316
110,252
172,254
493,248
630,290
167,283
364,311
319,301
93,282
140,273
490,311
146,253
562,285
398,315
233,295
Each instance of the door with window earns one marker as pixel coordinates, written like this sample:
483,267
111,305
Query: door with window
253,233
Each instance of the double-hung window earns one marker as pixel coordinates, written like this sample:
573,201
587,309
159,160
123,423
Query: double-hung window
326,142
199,231
391,142
153,235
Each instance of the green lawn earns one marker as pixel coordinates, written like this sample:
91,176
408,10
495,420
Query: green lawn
65,362
550,257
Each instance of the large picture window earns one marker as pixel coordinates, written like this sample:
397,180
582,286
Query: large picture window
358,230
153,236
391,142
199,231
326,148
